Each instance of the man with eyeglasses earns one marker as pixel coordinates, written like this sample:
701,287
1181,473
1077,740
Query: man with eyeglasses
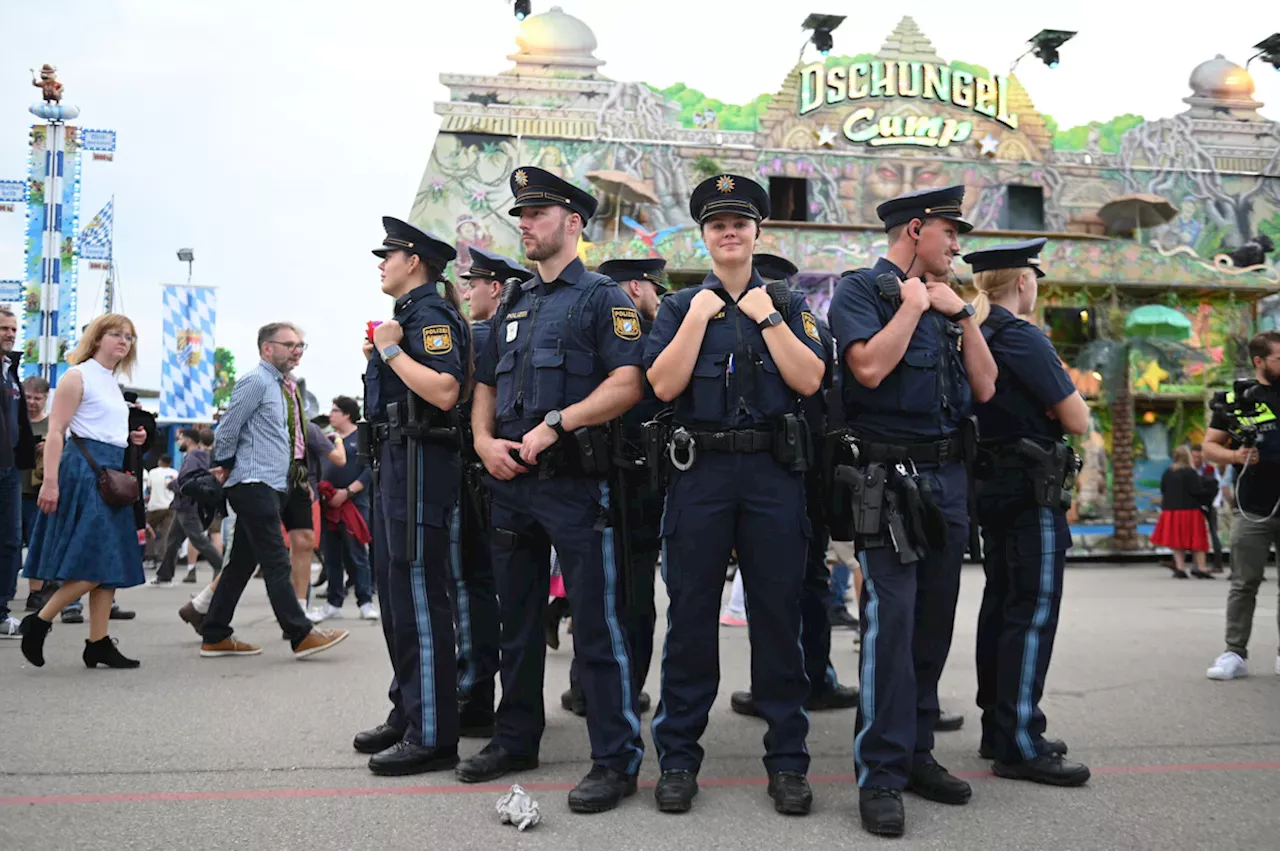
253,454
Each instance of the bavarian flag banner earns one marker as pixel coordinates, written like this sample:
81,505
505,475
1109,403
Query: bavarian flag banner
186,375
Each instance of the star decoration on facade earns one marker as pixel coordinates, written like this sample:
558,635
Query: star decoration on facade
989,144
826,137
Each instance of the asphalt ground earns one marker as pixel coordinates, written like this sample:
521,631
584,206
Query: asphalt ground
256,752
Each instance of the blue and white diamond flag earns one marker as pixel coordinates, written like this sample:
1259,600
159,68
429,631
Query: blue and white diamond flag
95,237
186,376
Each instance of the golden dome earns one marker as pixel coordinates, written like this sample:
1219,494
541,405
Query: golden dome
1221,79
555,44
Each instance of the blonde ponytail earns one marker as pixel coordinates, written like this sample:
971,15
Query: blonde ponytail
993,284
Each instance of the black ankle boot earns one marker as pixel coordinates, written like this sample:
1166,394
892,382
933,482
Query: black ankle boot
34,631
104,651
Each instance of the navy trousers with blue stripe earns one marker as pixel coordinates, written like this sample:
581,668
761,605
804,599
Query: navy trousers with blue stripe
750,502
475,606
529,515
815,599
907,615
417,619
1024,553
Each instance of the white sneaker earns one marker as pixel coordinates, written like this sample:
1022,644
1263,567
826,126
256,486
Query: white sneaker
369,612
1228,667
324,613
160,583
11,627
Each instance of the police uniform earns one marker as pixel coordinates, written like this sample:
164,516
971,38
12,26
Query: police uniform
473,591
738,491
907,606
552,344
1025,535
825,691
414,592
644,510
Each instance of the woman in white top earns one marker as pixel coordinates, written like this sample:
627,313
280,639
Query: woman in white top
79,540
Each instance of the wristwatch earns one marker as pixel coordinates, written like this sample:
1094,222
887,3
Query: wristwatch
555,421
964,313
390,351
769,321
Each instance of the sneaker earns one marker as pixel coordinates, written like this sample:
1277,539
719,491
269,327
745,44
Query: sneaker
1228,667
318,641
324,613
160,583
230,646
73,614
731,620
10,627
369,612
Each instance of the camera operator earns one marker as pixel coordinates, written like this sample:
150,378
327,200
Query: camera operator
1243,433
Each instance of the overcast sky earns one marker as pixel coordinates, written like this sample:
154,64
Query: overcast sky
271,136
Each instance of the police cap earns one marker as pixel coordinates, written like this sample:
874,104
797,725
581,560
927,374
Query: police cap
1014,255
772,267
402,236
729,193
495,267
925,204
535,187
647,269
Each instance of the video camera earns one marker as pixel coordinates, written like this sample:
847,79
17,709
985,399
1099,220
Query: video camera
1242,405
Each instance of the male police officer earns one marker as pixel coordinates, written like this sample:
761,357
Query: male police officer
419,365
563,359
474,593
825,691
642,281
906,391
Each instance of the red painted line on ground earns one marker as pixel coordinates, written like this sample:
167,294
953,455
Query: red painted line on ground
492,788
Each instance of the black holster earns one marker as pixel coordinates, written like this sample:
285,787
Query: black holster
1052,471
969,437
792,443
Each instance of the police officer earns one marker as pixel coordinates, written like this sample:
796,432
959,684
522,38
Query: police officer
735,369
906,391
473,591
825,691
562,360
423,353
1022,507
642,281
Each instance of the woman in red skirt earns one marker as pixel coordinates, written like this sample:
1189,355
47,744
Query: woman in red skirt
1181,526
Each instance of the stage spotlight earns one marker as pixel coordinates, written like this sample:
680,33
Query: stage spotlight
1268,51
521,8
822,25
1045,45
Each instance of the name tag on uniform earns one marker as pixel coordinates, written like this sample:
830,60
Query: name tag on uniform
719,315
512,328
521,314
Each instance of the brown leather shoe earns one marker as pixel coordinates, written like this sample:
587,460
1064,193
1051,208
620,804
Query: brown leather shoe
231,646
189,614
318,641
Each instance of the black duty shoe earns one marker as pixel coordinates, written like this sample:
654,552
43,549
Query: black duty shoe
843,618
881,810
34,632
933,782
1050,769
75,615
475,721
742,703
948,723
1053,746
378,739
575,701
407,758
675,791
601,790
493,761
104,652
791,793
643,702
119,614
840,697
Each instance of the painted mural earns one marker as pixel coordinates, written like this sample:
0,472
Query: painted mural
852,131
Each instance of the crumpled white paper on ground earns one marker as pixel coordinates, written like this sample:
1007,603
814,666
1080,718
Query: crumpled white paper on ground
519,808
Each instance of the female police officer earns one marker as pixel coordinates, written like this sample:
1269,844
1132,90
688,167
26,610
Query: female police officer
735,369
424,352
1022,508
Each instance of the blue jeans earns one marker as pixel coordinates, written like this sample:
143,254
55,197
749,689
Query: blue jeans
840,576
344,555
10,535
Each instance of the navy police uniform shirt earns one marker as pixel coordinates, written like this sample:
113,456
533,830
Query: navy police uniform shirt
1030,382
480,335
927,394
555,344
435,335
735,382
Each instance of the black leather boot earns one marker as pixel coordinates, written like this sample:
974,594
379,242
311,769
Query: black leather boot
791,793
933,782
378,739
1050,769
407,758
675,791
34,632
601,790
1056,746
104,652
840,697
881,810
742,703
948,722
493,762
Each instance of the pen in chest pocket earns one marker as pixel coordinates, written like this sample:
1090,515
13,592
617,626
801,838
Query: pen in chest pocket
728,371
